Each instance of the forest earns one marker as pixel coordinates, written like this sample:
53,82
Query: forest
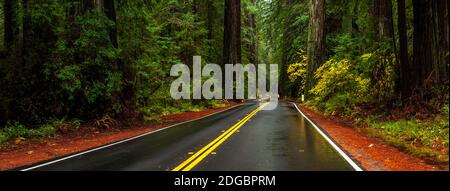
383,65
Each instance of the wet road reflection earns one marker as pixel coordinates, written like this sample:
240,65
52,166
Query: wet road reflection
280,140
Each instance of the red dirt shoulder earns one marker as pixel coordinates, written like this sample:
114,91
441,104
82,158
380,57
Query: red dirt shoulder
372,154
34,151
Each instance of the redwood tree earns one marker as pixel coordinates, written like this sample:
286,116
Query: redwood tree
382,17
425,69
9,13
252,45
403,57
316,40
232,32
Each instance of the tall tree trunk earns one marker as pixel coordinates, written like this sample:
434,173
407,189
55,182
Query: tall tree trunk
98,4
110,12
127,94
424,59
252,46
431,50
442,39
349,16
232,32
10,23
316,40
26,29
404,57
90,5
210,5
285,45
382,18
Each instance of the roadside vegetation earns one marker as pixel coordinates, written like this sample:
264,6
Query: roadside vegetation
381,64
426,138
365,62
102,62
17,132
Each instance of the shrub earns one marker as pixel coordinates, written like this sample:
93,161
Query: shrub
84,68
15,130
415,131
216,104
346,46
344,81
297,72
3,137
339,85
379,67
43,131
445,114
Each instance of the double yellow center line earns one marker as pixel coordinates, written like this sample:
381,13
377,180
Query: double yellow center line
195,159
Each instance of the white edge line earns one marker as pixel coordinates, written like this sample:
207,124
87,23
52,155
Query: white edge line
333,144
126,140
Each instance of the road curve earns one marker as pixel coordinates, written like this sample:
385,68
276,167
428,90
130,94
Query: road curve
244,138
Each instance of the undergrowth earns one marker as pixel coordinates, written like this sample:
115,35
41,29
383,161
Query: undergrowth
18,131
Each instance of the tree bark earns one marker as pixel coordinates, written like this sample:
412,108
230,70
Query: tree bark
423,44
232,32
348,18
110,12
442,39
210,18
10,23
286,44
404,57
316,40
252,46
26,29
430,64
382,15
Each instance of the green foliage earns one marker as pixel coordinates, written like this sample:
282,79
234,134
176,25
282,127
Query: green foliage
283,31
44,131
445,109
3,137
446,115
181,106
25,90
430,133
346,45
86,67
339,85
357,65
216,104
15,130
166,107
361,74
379,67
63,63
297,72
345,81
156,36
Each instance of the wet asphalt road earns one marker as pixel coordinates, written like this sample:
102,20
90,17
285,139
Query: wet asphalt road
278,140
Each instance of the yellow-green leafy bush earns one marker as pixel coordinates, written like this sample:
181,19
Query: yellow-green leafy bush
339,87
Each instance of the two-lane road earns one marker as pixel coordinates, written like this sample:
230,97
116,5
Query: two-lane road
245,138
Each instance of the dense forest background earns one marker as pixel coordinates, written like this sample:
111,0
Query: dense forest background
380,63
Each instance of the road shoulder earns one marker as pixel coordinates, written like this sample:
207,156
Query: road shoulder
35,151
371,153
